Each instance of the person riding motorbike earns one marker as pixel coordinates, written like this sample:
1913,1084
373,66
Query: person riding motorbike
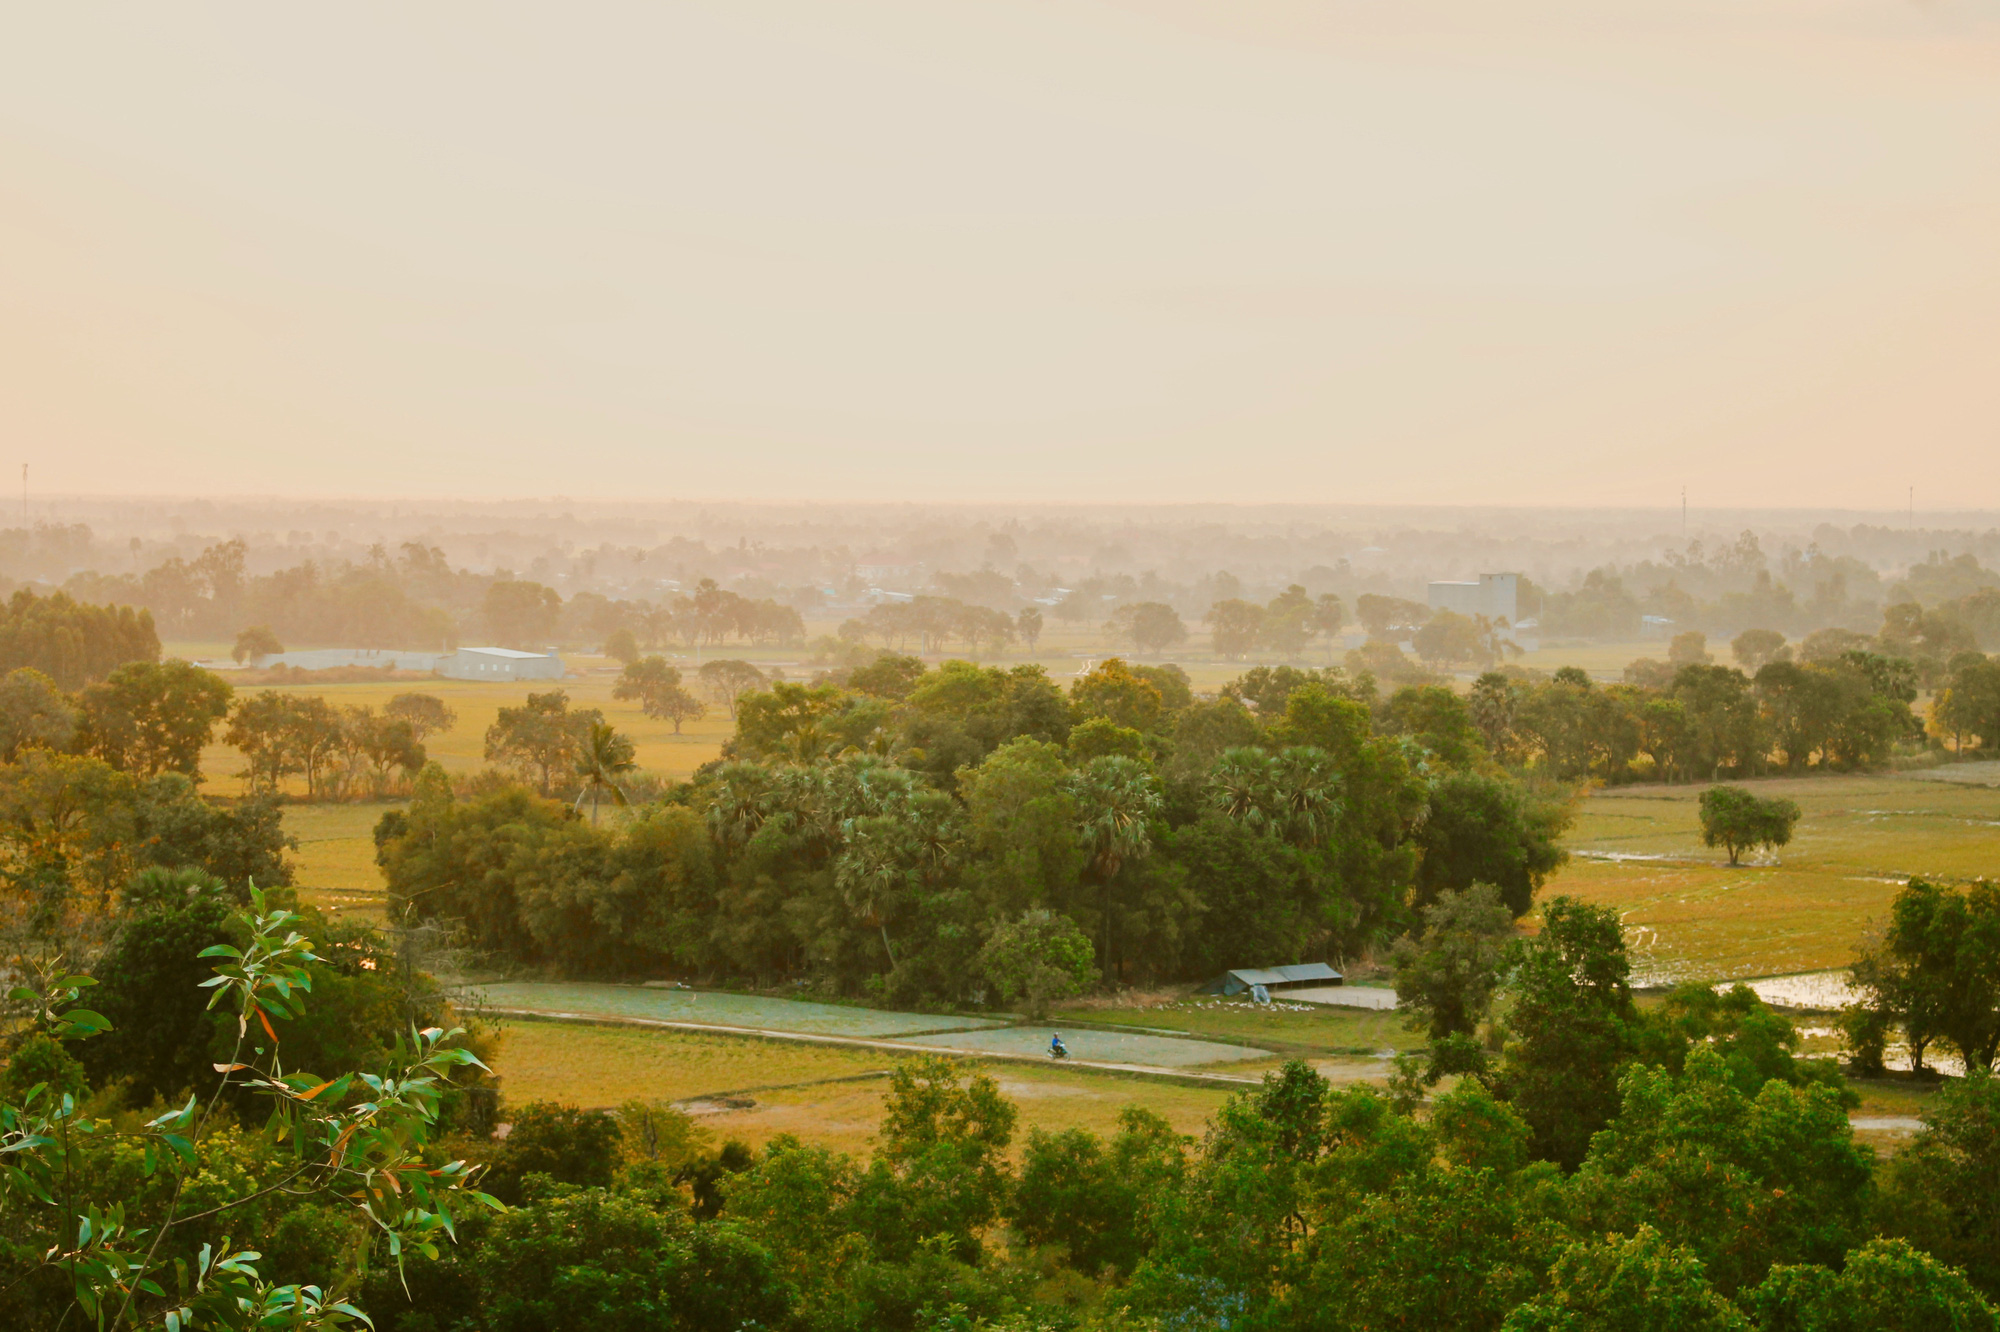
1057,1050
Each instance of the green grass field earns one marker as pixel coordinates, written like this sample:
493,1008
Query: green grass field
1689,915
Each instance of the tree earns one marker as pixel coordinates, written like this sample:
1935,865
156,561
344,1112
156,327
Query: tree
1735,819
888,676
1486,830
728,680
1935,971
942,1140
1446,977
540,738
521,614
313,733
1113,690
256,641
596,1260
1942,1191
383,743
556,1139
1149,626
1289,622
1688,648
427,714
657,687
800,722
257,726
1492,706
1743,1179
1117,802
1023,823
1754,647
1440,720
1968,703
1028,624
1037,959
33,714
1234,626
1636,1283
1328,615
1883,1286
1449,639
1569,1028
1100,1202
151,717
604,756
621,646
1384,616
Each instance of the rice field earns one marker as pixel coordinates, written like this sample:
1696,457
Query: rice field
334,866
1689,915
1282,1027
755,1090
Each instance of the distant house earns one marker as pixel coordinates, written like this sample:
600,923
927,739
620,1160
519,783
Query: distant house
498,663
1303,975
1495,595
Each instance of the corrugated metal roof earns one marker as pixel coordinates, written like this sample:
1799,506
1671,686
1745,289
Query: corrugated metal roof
1239,979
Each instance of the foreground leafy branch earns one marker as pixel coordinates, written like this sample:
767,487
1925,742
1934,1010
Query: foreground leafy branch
357,1138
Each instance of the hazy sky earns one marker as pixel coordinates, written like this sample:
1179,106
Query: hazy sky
1326,250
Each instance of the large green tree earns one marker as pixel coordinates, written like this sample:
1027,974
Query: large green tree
1569,1027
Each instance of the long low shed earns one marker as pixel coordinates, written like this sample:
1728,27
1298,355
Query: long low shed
1297,976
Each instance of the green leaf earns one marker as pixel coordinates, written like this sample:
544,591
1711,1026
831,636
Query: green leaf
85,1021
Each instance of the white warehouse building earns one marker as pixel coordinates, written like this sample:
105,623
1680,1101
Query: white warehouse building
498,663
1495,595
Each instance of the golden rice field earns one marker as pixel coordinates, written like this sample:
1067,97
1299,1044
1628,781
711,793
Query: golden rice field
478,704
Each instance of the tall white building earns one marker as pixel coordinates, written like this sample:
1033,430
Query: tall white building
1495,595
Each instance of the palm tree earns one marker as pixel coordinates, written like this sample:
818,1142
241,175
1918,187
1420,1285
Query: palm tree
1305,792
1239,786
1117,800
873,873
605,756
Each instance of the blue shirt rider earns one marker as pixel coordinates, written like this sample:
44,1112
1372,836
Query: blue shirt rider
1057,1050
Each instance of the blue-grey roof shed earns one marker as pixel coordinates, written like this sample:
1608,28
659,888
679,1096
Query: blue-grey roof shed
1296,976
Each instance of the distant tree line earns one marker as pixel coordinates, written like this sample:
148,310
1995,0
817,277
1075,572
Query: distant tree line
70,642
1701,721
